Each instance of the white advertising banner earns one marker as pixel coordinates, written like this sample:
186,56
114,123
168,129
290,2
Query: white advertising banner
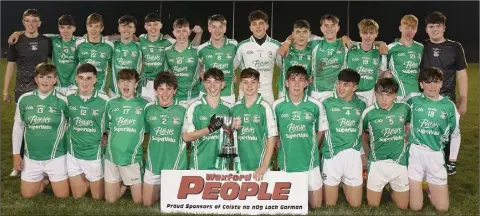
228,192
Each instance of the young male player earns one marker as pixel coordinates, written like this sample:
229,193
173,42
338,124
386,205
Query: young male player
182,60
166,150
95,50
341,161
404,57
126,52
219,52
257,128
384,122
300,120
40,120
435,119
86,108
202,124
153,45
125,124
260,53
365,58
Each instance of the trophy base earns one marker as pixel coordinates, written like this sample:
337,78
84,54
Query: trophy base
228,152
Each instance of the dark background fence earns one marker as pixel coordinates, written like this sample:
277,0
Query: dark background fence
462,22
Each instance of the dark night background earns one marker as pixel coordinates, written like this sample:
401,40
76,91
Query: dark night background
462,17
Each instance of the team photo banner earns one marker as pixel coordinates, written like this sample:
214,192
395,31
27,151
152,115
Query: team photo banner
228,192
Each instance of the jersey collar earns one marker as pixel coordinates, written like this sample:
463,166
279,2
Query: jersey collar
189,46
36,93
175,102
224,42
94,94
440,97
268,39
257,101
380,108
335,95
305,98
102,40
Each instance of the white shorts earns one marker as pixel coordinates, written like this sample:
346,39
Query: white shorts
267,94
381,173
314,179
64,90
129,175
148,92
369,95
35,171
344,167
151,178
424,163
92,169
230,100
320,95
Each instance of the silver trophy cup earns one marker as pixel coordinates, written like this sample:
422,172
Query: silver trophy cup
228,148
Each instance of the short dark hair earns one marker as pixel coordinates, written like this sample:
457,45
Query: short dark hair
250,73
127,19
429,75
128,74
31,12
386,85
330,17
45,68
215,73
257,15
349,75
180,23
295,71
301,24
152,17
66,20
94,18
167,78
217,18
436,17
86,68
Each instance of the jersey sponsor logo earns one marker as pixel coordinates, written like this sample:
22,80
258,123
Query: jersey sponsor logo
160,131
34,46
296,63
83,123
176,120
124,62
346,122
93,62
209,56
73,108
295,128
376,121
38,120
419,109
263,66
219,66
138,110
355,59
401,54
95,112
389,134
122,122
436,52
203,118
425,123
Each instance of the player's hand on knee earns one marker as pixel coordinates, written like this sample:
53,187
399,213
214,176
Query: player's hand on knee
215,123
17,162
451,167
104,140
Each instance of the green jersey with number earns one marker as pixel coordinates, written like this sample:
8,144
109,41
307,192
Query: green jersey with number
45,124
124,56
153,55
205,150
328,59
404,64
166,149
344,122
187,70
386,129
258,124
86,125
295,57
63,57
96,54
432,122
221,58
298,125
125,121
367,64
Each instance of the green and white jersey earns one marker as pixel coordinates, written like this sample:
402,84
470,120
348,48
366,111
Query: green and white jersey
125,121
386,129
367,64
432,122
258,124
166,149
221,58
205,150
344,122
153,55
404,64
328,59
298,125
96,54
262,58
45,124
186,68
295,57
63,57
86,125
124,56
